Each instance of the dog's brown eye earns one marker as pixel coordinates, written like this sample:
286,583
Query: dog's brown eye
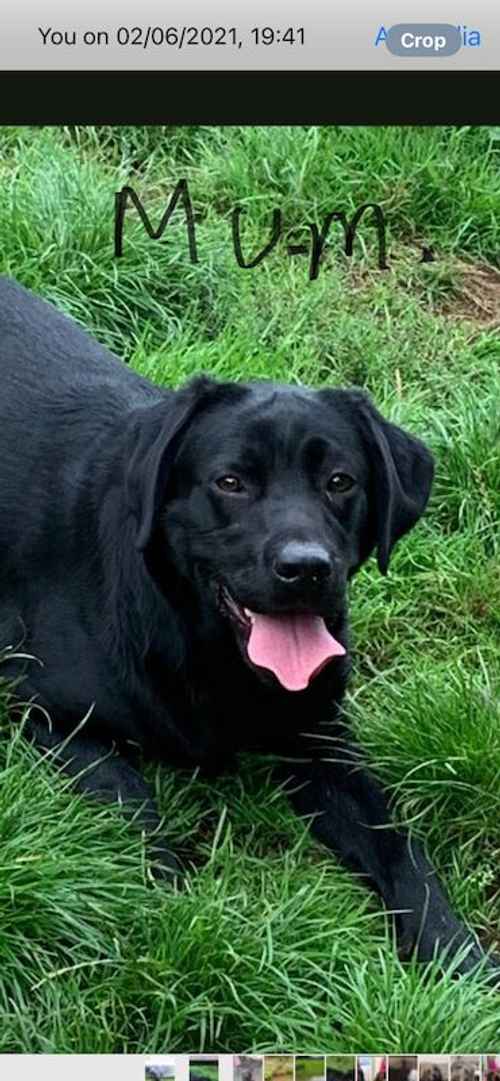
229,484
340,482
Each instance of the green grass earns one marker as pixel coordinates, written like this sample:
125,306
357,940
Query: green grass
306,1068
345,1064
207,1071
273,946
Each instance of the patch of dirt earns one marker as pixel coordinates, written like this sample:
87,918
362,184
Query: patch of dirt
476,295
472,295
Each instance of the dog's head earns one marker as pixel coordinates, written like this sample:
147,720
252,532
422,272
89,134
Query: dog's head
266,499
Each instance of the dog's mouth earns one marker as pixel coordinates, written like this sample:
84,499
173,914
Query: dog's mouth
294,646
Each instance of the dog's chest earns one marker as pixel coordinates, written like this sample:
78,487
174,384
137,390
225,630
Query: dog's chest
217,718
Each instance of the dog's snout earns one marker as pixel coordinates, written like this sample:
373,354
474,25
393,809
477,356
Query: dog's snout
299,561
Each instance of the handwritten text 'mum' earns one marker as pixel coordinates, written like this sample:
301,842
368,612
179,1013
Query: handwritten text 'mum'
181,199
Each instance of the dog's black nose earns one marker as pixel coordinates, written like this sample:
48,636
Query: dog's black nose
302,562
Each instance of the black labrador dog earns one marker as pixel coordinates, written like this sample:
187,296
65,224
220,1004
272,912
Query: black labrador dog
176,563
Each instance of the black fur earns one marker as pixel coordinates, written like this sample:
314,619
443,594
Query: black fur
115,543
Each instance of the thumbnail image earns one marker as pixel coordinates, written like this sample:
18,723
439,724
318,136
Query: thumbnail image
340,1067
247,1068
403,1068
465,1068
204,1068
160,1068
434,1068
309,1068
371,1068
491,1067
278,1068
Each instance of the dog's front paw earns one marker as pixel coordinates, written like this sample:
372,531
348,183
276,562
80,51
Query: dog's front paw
443,937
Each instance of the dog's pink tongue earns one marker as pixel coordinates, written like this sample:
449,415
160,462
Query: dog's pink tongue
294,647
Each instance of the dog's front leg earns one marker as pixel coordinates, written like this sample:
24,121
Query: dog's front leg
351,818
100,771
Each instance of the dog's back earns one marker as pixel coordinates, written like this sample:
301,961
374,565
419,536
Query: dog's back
44,351
62,396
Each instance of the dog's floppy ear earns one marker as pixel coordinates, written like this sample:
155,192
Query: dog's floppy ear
403,469
152,442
